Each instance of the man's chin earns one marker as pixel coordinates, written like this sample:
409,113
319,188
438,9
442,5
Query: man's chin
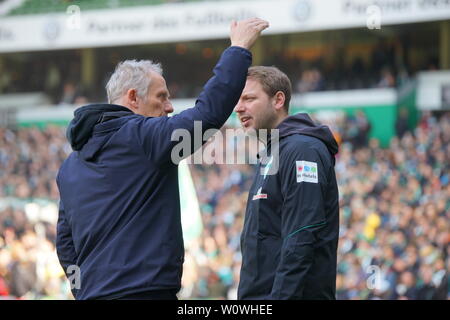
251,131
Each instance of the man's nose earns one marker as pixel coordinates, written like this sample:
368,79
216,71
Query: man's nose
239,107
168,107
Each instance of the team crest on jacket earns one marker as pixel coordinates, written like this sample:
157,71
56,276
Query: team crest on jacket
306,171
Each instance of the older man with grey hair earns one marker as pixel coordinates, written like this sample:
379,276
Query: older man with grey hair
119,229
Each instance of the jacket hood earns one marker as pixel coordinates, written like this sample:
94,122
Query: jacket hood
301,123
85,118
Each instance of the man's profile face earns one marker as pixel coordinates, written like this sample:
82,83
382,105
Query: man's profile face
255,108
157,103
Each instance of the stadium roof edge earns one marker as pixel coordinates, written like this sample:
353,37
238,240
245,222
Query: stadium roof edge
198,21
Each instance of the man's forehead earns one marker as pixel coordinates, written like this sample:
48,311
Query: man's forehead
252,87
157,80
156,77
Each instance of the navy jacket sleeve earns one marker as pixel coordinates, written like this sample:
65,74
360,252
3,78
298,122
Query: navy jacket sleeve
303,183
64,243
213,107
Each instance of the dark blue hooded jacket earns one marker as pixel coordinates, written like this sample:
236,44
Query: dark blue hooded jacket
119,218
291,228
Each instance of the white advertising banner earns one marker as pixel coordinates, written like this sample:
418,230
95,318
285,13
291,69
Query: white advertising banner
433,90
77,28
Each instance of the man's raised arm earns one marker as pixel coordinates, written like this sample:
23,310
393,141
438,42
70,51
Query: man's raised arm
217,100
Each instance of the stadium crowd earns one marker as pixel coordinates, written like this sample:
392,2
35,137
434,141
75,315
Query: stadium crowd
394,233
29,160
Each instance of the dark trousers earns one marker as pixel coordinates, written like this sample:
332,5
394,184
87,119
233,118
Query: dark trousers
152,295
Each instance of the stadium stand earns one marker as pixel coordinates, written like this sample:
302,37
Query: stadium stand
50,6
307,76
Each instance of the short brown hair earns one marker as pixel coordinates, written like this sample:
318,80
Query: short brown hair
272,80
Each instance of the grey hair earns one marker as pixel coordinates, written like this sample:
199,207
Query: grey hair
131,74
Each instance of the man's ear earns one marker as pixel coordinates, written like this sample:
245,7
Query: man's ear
278,100
132,100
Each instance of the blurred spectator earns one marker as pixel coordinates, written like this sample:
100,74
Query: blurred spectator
356,129
387,79
401,124
311,80
22,272
70,93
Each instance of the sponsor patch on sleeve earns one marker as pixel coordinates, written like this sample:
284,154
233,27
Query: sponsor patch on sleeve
306,171
259,195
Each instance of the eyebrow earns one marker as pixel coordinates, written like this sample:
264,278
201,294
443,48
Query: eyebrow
163,93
